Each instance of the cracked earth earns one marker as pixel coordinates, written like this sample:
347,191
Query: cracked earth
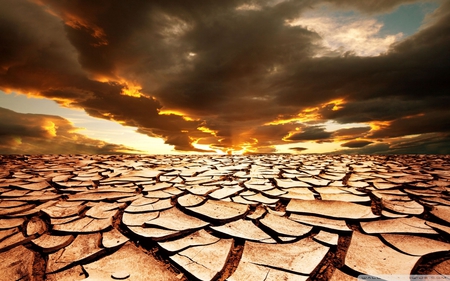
256,217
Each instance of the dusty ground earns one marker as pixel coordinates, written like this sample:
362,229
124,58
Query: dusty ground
267,217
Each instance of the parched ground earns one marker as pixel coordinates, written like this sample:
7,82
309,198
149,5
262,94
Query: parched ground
256,217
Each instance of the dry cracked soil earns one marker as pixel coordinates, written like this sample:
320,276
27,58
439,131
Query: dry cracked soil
250,217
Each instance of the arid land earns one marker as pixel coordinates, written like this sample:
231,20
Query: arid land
251,217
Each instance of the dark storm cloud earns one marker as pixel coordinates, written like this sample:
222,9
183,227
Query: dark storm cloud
37,57
376,148
271,134
34,52
412,72
47,134
420,124
235,52
431,143
351,132
232,66
264,137
356,143
409,80
298,149
310,134
379,109
207,60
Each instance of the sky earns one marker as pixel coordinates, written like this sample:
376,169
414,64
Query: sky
237,76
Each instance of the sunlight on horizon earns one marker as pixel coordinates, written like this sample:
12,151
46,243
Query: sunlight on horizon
95,128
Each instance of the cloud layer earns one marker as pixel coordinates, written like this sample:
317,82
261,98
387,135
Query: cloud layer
231,74
47,134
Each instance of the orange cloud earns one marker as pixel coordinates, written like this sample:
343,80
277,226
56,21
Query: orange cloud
131,90
378,125
95,31
47,134
248,82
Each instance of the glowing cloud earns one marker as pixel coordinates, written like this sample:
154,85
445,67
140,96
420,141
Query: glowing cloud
242,76
36,134
50,127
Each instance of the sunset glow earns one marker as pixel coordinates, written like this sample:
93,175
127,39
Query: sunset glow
228,78
132,91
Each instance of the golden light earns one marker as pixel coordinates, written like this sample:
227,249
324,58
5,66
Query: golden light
377,125
131,90
18,140
33,94
310,113
205,146
310,109
170,112
100,78
50,127
207,130
64,102
307,115
337,104
95,31
245,149
177,113
37,95
290,134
